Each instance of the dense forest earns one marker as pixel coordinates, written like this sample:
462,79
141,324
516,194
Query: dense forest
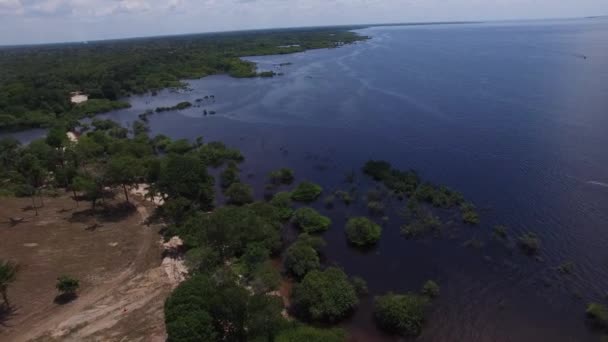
36,81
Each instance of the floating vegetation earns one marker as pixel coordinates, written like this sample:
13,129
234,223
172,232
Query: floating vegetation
179,106
328,201
375,208
344,196
360,286
399,181
350,177
529,243
230,175
430,289
566,268
401,314
598,315
500,232
469,213
282,176
407,183
306,192
474,243
422,221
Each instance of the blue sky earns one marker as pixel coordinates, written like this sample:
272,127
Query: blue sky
41,21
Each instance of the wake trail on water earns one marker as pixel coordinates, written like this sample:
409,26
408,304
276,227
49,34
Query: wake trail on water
602,184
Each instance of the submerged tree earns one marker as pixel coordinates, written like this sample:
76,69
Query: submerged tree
362,231
401,314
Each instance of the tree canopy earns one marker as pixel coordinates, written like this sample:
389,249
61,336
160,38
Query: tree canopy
310,221
362,231
326,296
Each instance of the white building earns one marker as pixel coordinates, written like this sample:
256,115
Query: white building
78,97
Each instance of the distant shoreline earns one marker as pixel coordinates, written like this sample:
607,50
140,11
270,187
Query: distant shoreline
283,29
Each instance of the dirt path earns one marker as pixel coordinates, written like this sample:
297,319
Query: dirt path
125,304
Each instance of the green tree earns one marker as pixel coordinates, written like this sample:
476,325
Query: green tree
265,277
598,315
229,176
310,334
8,274
124,170
326,296
186,176
31,169
282,176
401,314
361,231
90,186
310,221
67,286
430,289
239,194
301,257
306,192
282,201
9,152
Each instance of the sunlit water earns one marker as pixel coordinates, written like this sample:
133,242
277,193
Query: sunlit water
514,115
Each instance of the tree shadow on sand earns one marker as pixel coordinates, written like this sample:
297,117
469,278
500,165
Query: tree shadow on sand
105,213
65,298
6,313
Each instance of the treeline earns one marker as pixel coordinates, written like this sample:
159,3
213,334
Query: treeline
36,82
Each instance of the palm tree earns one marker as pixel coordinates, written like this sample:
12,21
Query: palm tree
8,274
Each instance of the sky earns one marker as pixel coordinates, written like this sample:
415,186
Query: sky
45,21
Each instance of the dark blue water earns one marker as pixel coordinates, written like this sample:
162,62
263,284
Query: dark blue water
514,115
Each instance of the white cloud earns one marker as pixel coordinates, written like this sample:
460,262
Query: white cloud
60,20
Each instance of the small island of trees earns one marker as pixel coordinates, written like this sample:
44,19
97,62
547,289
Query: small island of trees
306,192
310,221
362,232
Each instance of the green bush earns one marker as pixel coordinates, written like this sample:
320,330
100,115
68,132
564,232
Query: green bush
229,176
328,201
360,286
529,243
301,257
215,308
67,285
325,296
423,222
401,314
239,194
344,196
306,192
469,214
598,315
430,289
311,334
500,232
265,278
375,208
282,201
361,231
401,182
310,221
282,176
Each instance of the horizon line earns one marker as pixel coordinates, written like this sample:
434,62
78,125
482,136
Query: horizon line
345,26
